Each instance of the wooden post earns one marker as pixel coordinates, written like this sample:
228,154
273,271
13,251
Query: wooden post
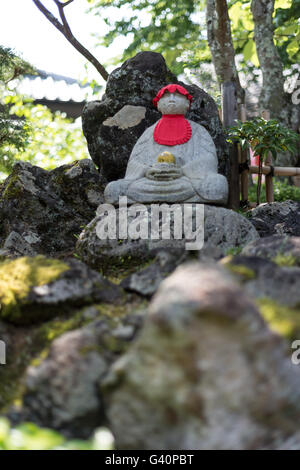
229,116
269,178
244,155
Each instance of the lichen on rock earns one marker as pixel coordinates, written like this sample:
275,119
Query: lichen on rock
42,212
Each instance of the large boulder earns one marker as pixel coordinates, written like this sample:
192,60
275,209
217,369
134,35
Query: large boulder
43,211
264,279
282,249
40,300
224,229
205,372
113,125
63,391
276,218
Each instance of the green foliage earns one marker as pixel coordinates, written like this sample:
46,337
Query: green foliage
31,132
287,31
12,66
286,34
234,251
282,192
263,137
242,27
14,132
172,27
177,29
28,436
52,139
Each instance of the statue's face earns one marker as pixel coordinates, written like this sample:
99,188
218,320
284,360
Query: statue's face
173,103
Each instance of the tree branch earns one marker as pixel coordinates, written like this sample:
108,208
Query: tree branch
66,3
65,29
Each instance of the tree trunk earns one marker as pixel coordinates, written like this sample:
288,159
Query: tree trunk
223,56
273,97
221,45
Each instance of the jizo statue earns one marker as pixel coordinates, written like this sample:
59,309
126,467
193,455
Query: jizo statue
174,160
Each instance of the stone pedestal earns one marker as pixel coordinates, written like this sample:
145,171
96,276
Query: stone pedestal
222,229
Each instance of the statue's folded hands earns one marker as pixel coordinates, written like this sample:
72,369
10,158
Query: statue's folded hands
164,171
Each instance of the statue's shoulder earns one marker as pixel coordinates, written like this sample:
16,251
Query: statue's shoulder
200,131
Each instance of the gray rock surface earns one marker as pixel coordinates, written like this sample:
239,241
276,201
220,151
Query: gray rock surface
113,125
204,373
63,391
284,249
263,279
223,229
43,211
276,218
146,281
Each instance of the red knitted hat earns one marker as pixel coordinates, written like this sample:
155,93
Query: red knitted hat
172,88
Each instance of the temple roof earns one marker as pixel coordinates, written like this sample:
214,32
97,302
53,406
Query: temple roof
57,92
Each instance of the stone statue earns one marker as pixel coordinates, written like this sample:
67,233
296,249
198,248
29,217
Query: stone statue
173,161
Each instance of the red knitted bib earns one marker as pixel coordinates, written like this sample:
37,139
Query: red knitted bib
172,129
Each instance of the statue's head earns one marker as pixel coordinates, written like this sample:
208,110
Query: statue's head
173,99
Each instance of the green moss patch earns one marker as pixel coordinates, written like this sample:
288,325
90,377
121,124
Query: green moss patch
14,188
235,250
116,272
17,277
239,269
285,260
282,319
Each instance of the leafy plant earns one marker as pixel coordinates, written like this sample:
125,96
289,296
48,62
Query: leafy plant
35,134
14,132
263,137
28,436
176,28
282,192
31,132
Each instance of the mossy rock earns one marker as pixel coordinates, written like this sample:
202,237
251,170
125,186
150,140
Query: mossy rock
14,188
47,208
37,289
30,345
17,278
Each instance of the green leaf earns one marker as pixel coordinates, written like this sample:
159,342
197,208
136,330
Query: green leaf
292,48
282,4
